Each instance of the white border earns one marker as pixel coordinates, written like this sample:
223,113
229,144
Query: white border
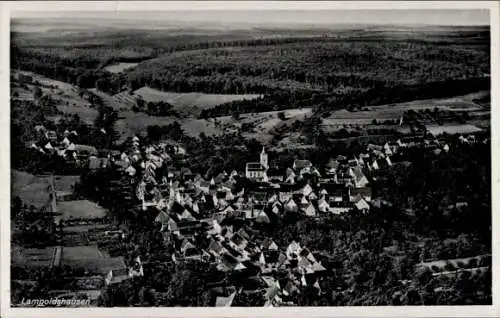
409,311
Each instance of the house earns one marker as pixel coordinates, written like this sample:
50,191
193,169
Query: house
388,150
304,202
331,167
298,165
291,206
310,210
307,190
162,218
336,195
116,276
364,192
323,205
85,151
275,174
255,171
361,205
290,176
359,177
293,249
225,301
51,135
381,163
340,207
262,217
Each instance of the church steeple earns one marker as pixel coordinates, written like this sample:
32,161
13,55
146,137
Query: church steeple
263,158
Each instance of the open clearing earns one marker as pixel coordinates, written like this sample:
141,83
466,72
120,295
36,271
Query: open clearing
80,209
186,104
132,123
33,190
120,67
190,102
452,129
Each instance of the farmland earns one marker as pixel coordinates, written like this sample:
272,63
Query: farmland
381,113
63,95
80,209
453,129
187,104
36,257
190,101
32,190
90,258
120,67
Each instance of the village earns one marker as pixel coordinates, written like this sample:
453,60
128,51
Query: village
211,221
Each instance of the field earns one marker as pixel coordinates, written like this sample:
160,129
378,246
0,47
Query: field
120,67
452,129
265,124
65,183
344,119
457,263
131,123
33,190
80,209
35,257
65,95
190,104
90,258
186,104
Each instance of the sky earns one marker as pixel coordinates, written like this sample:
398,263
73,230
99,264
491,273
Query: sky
287,17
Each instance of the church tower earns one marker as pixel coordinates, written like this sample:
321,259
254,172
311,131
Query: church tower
263,158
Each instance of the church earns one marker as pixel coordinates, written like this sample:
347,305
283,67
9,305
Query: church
257,171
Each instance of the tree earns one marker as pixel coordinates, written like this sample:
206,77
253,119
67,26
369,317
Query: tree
235,115
38,92
281,115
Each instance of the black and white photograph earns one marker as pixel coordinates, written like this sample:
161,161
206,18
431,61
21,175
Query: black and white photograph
258,157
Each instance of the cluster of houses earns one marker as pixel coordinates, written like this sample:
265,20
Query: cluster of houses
212,221
64,146
215,221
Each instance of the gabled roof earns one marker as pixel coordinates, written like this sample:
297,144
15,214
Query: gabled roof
162,217
225,301
262,217
304,262
254,166
361,204
310,210
215,246
317,267
358,173
364,192
243,233
300,164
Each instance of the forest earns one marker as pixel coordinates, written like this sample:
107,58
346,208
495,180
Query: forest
331,71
